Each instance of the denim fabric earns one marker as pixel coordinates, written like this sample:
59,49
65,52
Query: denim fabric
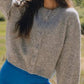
11,74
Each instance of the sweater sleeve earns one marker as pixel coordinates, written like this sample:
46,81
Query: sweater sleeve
5,7
68,64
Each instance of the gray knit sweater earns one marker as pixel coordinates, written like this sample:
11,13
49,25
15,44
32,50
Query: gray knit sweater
54,45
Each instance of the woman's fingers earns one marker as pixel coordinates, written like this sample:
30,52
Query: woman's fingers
19,3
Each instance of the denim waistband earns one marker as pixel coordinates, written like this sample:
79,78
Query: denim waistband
9,68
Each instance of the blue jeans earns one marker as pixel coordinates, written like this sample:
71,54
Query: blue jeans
11,74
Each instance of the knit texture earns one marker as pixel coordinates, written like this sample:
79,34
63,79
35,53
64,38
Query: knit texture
54,45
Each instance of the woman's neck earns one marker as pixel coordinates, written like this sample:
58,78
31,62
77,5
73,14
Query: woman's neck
50,4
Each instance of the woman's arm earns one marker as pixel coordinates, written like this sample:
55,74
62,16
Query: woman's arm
68,65
5,7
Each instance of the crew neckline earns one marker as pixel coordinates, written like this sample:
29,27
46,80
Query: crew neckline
50,9
44,12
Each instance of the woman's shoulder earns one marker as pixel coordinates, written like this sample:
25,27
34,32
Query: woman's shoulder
68,13
71,12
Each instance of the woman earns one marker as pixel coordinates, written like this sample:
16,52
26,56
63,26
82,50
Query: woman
42,37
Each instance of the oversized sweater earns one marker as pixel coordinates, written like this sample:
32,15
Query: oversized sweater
54,45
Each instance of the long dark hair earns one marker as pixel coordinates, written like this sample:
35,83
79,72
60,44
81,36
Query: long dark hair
25,23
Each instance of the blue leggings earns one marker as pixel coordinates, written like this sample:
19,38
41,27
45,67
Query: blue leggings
11,74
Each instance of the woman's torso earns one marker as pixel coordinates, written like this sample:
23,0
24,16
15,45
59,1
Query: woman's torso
38,55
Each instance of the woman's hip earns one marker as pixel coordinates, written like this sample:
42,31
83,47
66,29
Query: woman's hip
10,74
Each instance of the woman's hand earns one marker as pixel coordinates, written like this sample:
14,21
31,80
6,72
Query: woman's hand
19,3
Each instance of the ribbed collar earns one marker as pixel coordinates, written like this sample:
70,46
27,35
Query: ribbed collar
45,12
